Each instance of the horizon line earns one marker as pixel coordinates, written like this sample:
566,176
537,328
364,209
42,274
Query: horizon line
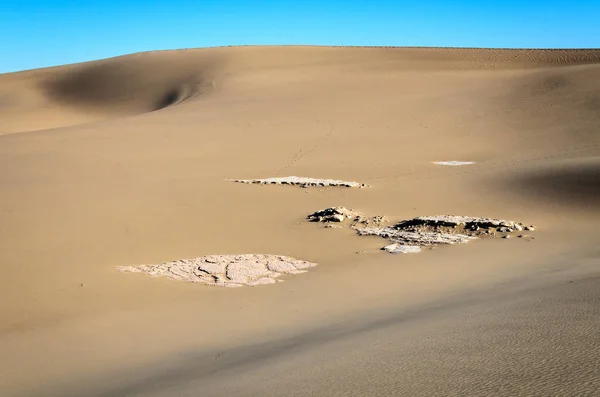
314,46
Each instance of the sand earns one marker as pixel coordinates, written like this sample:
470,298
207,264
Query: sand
128,161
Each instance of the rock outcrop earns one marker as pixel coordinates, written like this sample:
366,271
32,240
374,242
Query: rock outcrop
364,221
226,270
440,229
467,222
341,214
420,238
301,181
409,235
332,214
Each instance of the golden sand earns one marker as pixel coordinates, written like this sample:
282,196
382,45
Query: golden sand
127,160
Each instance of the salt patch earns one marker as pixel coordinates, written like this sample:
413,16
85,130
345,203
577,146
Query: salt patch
453,163
226,270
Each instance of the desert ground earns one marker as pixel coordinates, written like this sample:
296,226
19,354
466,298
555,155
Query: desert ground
127,161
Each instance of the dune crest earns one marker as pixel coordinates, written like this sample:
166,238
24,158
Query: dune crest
144,82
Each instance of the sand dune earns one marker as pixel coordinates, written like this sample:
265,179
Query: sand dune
76,94
97,90
129,161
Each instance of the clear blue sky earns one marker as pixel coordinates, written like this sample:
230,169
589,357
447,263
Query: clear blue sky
38,33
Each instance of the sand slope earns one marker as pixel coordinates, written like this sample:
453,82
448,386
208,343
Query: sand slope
139,83
125,161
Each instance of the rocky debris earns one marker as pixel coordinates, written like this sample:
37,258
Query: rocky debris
526,237
332,214
439,230
419,238
397,248
408,235
340,214
337,218
226,270
471,225
453,163
301,181
453,220
378,220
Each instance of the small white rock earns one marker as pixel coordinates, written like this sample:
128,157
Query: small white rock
401,249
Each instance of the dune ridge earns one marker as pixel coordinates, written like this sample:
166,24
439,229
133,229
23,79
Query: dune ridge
144,82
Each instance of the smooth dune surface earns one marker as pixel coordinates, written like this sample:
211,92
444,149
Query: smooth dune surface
129,161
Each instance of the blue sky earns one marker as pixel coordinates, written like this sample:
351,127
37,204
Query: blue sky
51,32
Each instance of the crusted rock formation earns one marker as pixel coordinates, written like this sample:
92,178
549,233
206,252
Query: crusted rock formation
440,229
332,214
226,270
397,248
340,214
301,181
377,220
420,238
409,235
467,222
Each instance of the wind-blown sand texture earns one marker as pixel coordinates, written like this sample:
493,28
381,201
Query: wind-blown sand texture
226,270
126,161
